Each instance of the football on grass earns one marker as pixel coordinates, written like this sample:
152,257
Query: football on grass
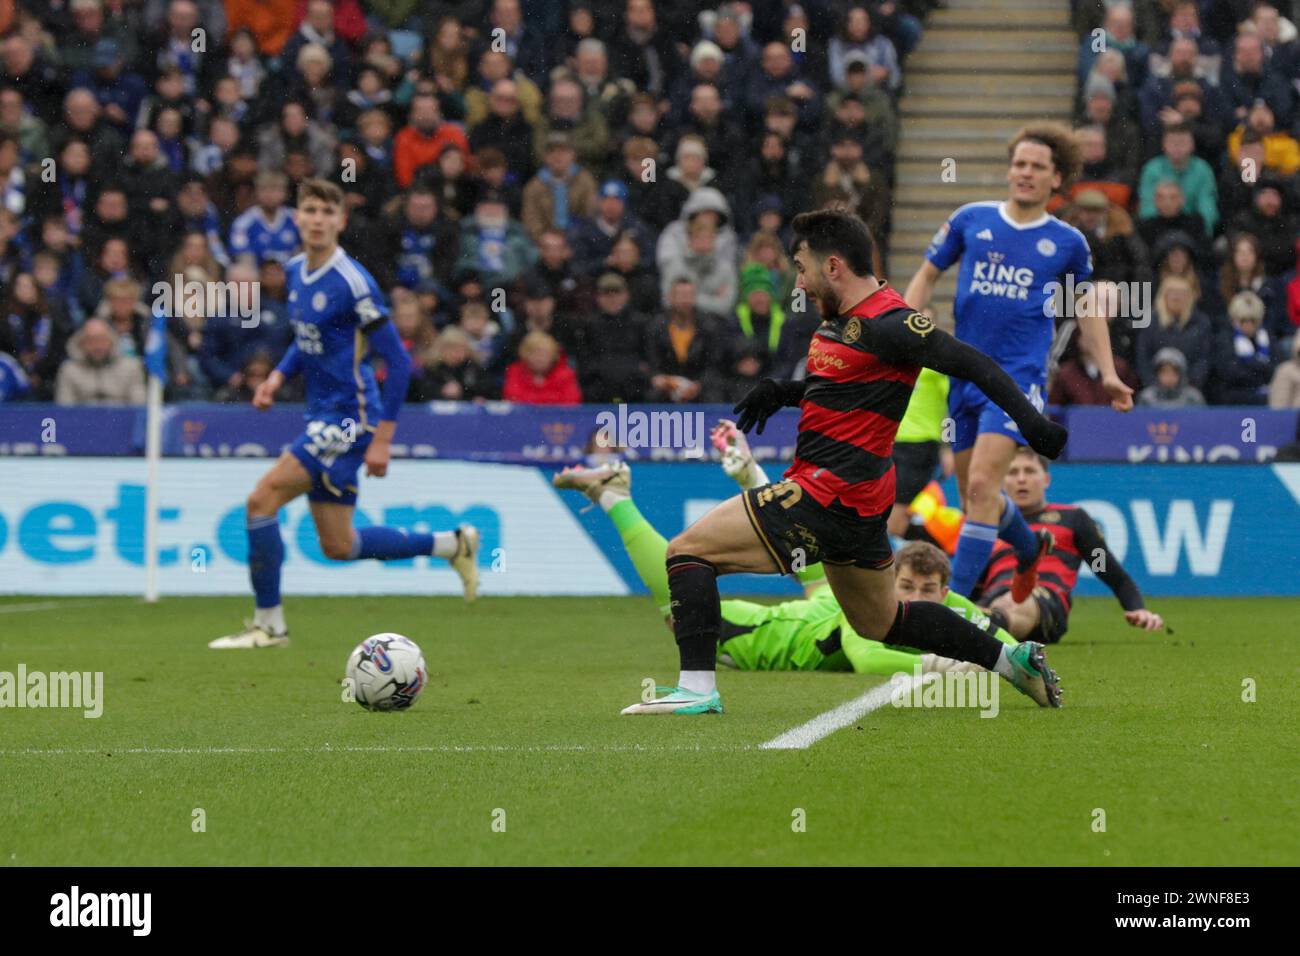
386,672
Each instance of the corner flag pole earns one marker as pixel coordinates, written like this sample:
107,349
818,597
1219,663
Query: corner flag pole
152,454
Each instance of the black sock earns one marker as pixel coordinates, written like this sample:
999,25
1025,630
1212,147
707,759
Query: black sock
696,610
935,629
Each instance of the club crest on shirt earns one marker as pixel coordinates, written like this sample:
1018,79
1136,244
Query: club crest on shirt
919,323
1046,247
852,330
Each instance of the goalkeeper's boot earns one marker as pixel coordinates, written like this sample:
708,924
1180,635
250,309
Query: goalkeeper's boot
679,700
737,459
465,561
1026,576
253,635
1031,676
615,476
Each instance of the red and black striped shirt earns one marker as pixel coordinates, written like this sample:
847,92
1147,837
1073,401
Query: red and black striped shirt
861,370
1077,540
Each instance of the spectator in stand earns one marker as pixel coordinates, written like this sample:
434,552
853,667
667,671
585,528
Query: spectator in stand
612,364
1118,253
1284,390
1246,80
606,93
523,44
96,372
456,374
493,67
504,128
83,119
120,91
112,262
656,199
1179,324
705,119
707,63
768,250
770,178
1119,36
683,347
574,292
1270,221
1192,173
1123,135
295,132
423,139
777,75
29,130
736,50
318,28
228,343
419,242
626,261
266,230
1175,255
568,112
778,340
644,52
32,334
1170,388
416,330
494,244
540,376
1281,151
1180,75
457,190
1098,172
33,74
252,373
1278,36
1078,378
593,237
848,182
708,261
561,193
270,23
484,334
1243,356
858,34
692,170
1243,271
1172,216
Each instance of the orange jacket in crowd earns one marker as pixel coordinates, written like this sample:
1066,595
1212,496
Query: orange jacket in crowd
412,149
271,22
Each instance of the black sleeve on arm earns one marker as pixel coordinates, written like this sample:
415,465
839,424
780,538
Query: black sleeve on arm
1112,574
912,338
792,392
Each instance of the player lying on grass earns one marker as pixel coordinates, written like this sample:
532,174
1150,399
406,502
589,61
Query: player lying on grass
804,634
835,500
339,322
1044,615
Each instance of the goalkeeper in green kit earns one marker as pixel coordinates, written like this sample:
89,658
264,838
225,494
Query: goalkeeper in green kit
806,634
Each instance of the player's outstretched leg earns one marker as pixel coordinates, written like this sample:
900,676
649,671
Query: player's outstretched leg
285,480
610,486
867,598
459,547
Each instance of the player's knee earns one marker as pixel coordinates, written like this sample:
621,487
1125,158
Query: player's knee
260,502
336,547
681,544
873,627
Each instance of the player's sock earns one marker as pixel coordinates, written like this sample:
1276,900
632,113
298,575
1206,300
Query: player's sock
934,628
973,549
445,544
265,556
645,546
697,619
813,574
271,619
1015,531
392,544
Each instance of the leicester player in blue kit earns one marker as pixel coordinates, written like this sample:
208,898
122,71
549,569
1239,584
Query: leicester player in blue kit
1012,254
339,320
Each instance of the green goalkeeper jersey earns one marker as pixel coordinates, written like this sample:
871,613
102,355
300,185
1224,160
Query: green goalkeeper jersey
813,634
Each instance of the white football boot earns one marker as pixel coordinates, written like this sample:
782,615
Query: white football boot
465,561
253,635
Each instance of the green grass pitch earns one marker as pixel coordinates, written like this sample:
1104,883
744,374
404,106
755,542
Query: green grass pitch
521,716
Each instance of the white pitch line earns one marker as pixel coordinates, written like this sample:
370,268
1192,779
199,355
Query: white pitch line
43,606
823,725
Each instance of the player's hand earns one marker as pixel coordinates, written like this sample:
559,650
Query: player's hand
1121,396
1147,620
947,461
264,397
377,456
762,402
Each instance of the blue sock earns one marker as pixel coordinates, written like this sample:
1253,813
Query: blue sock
265,555
974,546
1015,530
390,544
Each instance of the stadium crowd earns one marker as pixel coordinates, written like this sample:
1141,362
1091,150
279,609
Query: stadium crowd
569,201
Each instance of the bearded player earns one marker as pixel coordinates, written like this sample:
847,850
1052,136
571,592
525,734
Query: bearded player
805,634
1044,615
1012,255
339,321
835,500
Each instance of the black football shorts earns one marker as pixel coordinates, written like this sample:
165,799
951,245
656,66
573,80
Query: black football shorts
798,532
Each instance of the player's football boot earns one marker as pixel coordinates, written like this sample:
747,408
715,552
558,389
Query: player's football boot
253,635
1031,676
934,664
1026,576
465,561
679,701
737,459
615,476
